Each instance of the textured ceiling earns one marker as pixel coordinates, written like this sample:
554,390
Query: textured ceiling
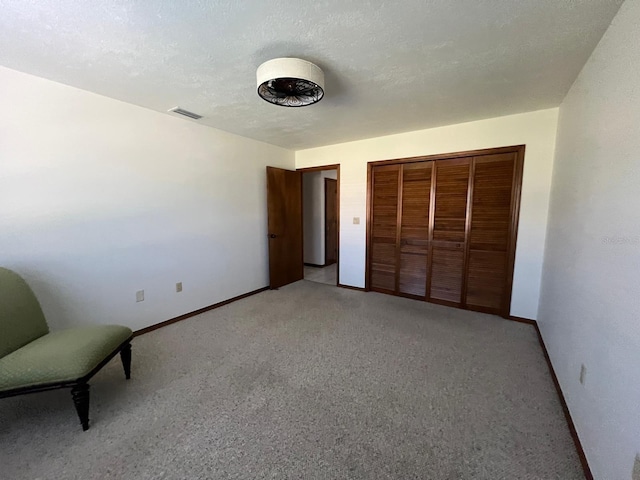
390,66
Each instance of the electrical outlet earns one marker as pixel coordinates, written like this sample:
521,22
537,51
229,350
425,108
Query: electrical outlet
179,287
140,296
635,475
583,373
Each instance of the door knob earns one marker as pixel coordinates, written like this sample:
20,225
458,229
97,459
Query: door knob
271,235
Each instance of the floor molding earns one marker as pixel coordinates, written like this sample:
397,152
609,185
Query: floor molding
196,312
572,428
528,321
349,287
315,265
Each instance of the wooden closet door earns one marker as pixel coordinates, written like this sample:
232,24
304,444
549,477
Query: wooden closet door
414,228
490,233
448,243
384,228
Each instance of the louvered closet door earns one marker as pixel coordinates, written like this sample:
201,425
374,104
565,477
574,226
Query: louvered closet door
489,238
384,230
414,228
449,228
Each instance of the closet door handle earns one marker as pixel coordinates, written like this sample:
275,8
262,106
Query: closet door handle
271,235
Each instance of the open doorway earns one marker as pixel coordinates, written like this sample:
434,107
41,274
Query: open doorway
320,224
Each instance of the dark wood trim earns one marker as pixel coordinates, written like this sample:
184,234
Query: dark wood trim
196,312
446,303
516,193
335,166
432,222
349,287
326,182
528,321
467,233
383,290
324,230
301,224
481,309
448,156
338,220
572,428
399,225
410,295
315,265
368,227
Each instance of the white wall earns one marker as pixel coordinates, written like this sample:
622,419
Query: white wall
100,198
536,129
314,215
590,303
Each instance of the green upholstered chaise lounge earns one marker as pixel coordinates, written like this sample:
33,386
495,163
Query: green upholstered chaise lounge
34,360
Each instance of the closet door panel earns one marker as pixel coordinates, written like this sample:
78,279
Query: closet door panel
447,273
449,230
414,229
486,279
452,183
384,227
489,236
443,229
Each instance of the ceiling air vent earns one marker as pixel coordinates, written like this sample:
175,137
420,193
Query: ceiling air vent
186,113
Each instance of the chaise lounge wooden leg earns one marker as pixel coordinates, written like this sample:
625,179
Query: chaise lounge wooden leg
80,394
125,356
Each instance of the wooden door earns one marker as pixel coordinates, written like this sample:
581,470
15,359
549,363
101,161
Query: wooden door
414,228
448,233
284,207
490,233
384,228
330,221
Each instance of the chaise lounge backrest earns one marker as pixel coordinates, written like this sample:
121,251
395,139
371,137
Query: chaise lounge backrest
21,318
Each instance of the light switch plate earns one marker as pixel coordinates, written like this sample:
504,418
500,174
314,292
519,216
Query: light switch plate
179,287
140,296
356,220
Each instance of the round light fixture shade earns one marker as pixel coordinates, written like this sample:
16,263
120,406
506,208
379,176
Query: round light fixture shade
290,82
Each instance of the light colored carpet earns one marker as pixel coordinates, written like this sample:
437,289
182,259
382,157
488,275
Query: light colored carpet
312,382
327,275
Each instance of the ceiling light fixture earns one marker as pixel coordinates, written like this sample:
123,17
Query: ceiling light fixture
290,82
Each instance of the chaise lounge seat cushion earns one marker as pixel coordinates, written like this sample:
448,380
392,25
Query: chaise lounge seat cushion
61,356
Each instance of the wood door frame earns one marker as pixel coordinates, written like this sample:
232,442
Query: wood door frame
516,194
326,182
336,167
